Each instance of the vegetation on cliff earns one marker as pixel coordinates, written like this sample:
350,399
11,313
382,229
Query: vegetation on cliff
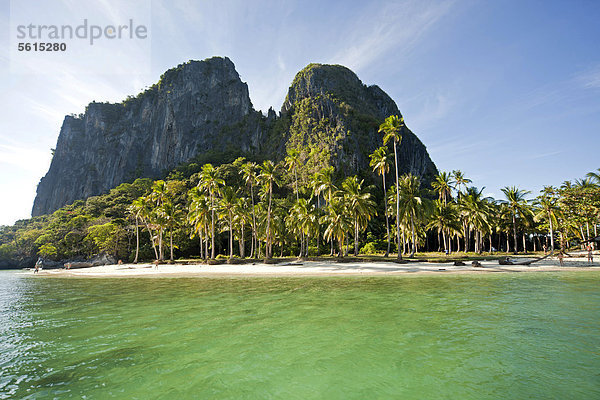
265,209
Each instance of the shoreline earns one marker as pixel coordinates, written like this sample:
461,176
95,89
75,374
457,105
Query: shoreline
311,269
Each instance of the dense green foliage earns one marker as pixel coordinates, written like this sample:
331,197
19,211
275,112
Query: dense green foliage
298,206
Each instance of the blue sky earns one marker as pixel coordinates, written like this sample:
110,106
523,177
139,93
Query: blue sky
506,91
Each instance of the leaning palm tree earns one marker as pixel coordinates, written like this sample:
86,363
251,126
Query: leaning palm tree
515,199
359,204
392,127
210,182
380,162
546,204
268,176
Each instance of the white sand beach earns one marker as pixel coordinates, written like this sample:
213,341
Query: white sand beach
317,268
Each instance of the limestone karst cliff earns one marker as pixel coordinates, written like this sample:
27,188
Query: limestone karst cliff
203,107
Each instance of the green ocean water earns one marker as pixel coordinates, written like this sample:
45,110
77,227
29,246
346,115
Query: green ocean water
493,336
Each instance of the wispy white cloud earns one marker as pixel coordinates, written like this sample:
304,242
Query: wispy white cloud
397,27
590,78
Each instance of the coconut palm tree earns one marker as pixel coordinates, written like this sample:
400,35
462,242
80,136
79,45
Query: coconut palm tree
359,204
594,176
199,217
412,205
323,185
338,223
210,182
292,162
515,198
380,162
227,205
248,172
460,180
240,217
136,208
392,127
443,186
445,219
476,210
157,198
268,176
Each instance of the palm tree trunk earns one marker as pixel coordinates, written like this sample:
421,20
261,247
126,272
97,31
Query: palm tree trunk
551,232
444,236
397,201
524,244
268,244
230,235
414,241
387,218
254,235
356,237
137,240
212,227
514,218
206,241
171,242
160,244
201,243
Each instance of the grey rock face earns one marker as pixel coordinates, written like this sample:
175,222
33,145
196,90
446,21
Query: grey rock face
347,114
202,107
181,116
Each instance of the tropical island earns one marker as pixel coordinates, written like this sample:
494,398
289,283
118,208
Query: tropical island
188,172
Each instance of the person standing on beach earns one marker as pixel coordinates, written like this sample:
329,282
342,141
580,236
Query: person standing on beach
590,255
560,257
38,264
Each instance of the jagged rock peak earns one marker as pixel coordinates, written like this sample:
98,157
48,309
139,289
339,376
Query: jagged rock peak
340,82
194,108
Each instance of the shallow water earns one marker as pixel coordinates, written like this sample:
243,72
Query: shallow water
456,337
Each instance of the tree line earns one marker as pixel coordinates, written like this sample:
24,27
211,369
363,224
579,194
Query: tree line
263,210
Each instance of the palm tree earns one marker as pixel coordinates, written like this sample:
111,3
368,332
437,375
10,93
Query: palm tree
240,217
199,217
443,186
380,162
359,205
323,184
515,198
248,172
545,207
210,182
136,208
412,205
337,222
292,162
476,211
460,180
227,204
392,128
268,176
445,219
594,176
157,197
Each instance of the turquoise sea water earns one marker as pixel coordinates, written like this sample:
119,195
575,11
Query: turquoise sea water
492,336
